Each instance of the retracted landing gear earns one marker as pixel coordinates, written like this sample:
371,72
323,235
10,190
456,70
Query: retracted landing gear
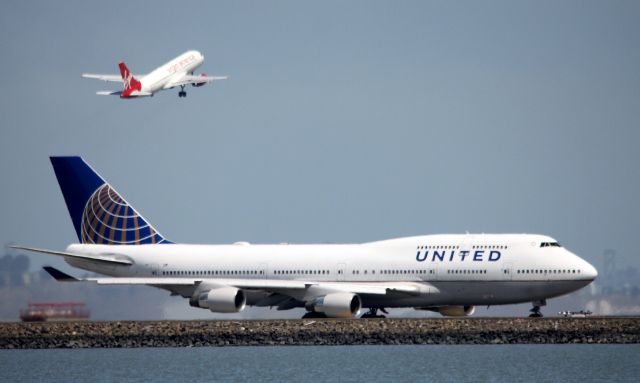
182,92
535,311
373,313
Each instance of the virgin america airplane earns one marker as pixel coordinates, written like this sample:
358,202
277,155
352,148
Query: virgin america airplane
448,274
177,72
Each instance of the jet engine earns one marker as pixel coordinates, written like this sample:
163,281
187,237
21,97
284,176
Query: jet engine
337,305
223,300
198,84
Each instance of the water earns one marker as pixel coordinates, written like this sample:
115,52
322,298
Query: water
500,363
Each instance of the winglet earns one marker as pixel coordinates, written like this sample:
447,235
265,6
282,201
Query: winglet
59,275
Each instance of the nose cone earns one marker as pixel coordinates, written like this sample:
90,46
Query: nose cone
589,271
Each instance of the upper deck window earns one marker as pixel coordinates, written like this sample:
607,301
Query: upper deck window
550,244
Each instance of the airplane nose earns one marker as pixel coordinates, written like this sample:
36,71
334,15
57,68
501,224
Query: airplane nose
590,271
587,271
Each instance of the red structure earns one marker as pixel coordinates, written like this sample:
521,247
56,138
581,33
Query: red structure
41,312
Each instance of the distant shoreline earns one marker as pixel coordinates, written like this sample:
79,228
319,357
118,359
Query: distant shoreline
87,334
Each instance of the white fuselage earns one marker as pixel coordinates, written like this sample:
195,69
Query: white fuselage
467,269
160,77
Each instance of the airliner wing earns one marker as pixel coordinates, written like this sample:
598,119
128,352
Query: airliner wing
107,77
265,284
113,259
279,286
191,79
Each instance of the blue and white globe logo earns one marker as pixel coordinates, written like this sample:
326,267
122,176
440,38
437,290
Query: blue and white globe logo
108,219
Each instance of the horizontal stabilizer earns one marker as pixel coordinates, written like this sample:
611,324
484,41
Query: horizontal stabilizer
59,275
135,93
103,77
109,92
138,93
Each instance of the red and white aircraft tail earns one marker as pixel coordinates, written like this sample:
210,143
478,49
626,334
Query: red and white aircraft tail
177,72
131,85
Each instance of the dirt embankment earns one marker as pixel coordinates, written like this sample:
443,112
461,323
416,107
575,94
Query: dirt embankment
319,332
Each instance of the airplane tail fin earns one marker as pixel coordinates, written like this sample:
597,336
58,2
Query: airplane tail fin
130,82
99,214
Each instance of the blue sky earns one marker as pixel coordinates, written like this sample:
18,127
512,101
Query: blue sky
341,122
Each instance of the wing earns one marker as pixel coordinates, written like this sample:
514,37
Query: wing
191,79
108,77
301,290
113,259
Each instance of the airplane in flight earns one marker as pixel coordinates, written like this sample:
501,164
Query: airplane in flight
177,72
449,274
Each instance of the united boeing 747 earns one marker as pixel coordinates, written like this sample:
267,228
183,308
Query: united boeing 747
449,274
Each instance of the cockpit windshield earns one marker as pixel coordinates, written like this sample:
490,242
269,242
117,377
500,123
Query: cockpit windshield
550,244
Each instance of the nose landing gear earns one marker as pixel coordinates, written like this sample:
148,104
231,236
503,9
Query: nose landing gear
182,92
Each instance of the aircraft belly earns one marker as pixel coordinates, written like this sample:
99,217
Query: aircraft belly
478,293
253,297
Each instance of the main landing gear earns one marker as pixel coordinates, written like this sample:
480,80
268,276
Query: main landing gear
373,313
182,92
535,311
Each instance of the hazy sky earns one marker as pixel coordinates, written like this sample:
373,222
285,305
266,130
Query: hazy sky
341,121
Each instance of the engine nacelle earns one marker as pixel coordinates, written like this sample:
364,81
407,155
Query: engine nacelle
223,300
337,305
456,311
198,84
